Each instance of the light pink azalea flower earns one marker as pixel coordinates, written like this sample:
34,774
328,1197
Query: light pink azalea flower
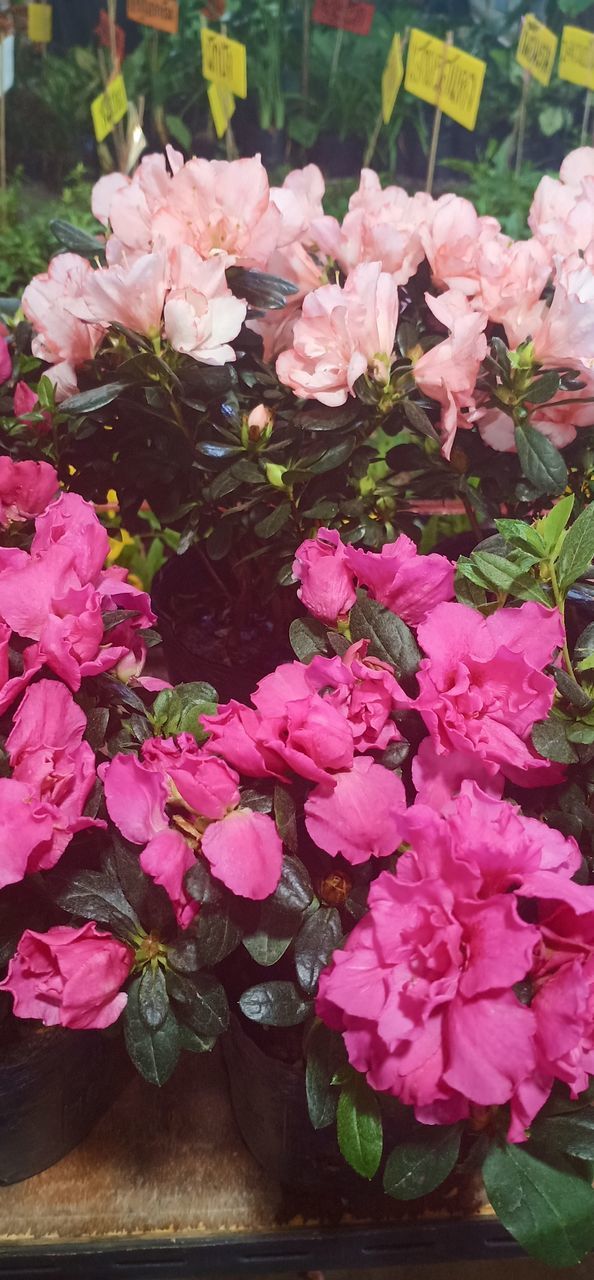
220,207
47,303
448,372
201,314
174,779
381,226
343,334
454,238
423,990
131,295
482,685
69,977
561,211
299,201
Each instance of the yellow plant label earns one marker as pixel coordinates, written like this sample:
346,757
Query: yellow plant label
576,57
392,79
39,23
537,49
224,61
163,15
445,76
109,108
222,106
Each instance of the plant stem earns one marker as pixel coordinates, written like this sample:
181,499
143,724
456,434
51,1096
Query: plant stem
560,603
305,47
335,57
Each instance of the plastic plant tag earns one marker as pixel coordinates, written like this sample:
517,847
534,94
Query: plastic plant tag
39,23
576,57
6,64
349,15
432,63
224,61
222,106
163,15
109,108
392,79
537,48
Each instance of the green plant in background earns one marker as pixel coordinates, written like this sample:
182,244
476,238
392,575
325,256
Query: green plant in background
27,241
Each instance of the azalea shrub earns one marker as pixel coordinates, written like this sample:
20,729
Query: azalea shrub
391,847
253,367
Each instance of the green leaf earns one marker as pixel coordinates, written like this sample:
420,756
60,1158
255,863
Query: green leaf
194,1043
419,419
273,934
259,289
179,131
294,889
584,645
577,550
325,1057
216,933
540,461
543,388
359,1126
549,1210
518,533
274,522
318,937
77,241
391,640
97,398
154,1052
275,1004
203,1002
550,527
572,1133
497,573
96,896
179,710
153,1001
415,1168
571,690
549,738
285,816
307,638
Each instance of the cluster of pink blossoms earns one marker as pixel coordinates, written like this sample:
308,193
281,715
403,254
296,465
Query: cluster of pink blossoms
174,228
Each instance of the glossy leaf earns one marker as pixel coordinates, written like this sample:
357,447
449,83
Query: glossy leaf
415,1168
274,1004
548,1208
390,638
577,551
154,1052
318,937
540,461
326,1055
359,1126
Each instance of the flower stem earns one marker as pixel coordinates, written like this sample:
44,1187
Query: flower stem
560,603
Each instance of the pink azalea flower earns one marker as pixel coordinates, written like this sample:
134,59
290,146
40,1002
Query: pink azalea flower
201,314
69,977
358,813
53,773
423,989
220,207
133,296
47,304
402,580
341,335
5,360
327,585
454,237
25,402
25,489
178,785
448,371
561,211
482,686
299,201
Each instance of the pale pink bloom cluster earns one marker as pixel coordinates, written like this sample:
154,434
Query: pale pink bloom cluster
54,596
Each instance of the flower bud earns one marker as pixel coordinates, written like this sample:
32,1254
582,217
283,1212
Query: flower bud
260,422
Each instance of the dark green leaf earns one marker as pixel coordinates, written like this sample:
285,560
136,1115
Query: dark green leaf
543,388
203,1002
153,1001
391,640
194,1043
259,289
179,710
419,420
318,937
77,241
275,930
571,690
200,884
415,1168
285,816
577,550
153,1052
307,638
294,890
550,740
584,646
275,1004
97,398
334,456
572,1133
325,1057
540,461
274,522
548,1209
183,955
96,896
359,1126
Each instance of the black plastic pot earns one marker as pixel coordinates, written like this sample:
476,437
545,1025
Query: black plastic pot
190,621
54,1085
